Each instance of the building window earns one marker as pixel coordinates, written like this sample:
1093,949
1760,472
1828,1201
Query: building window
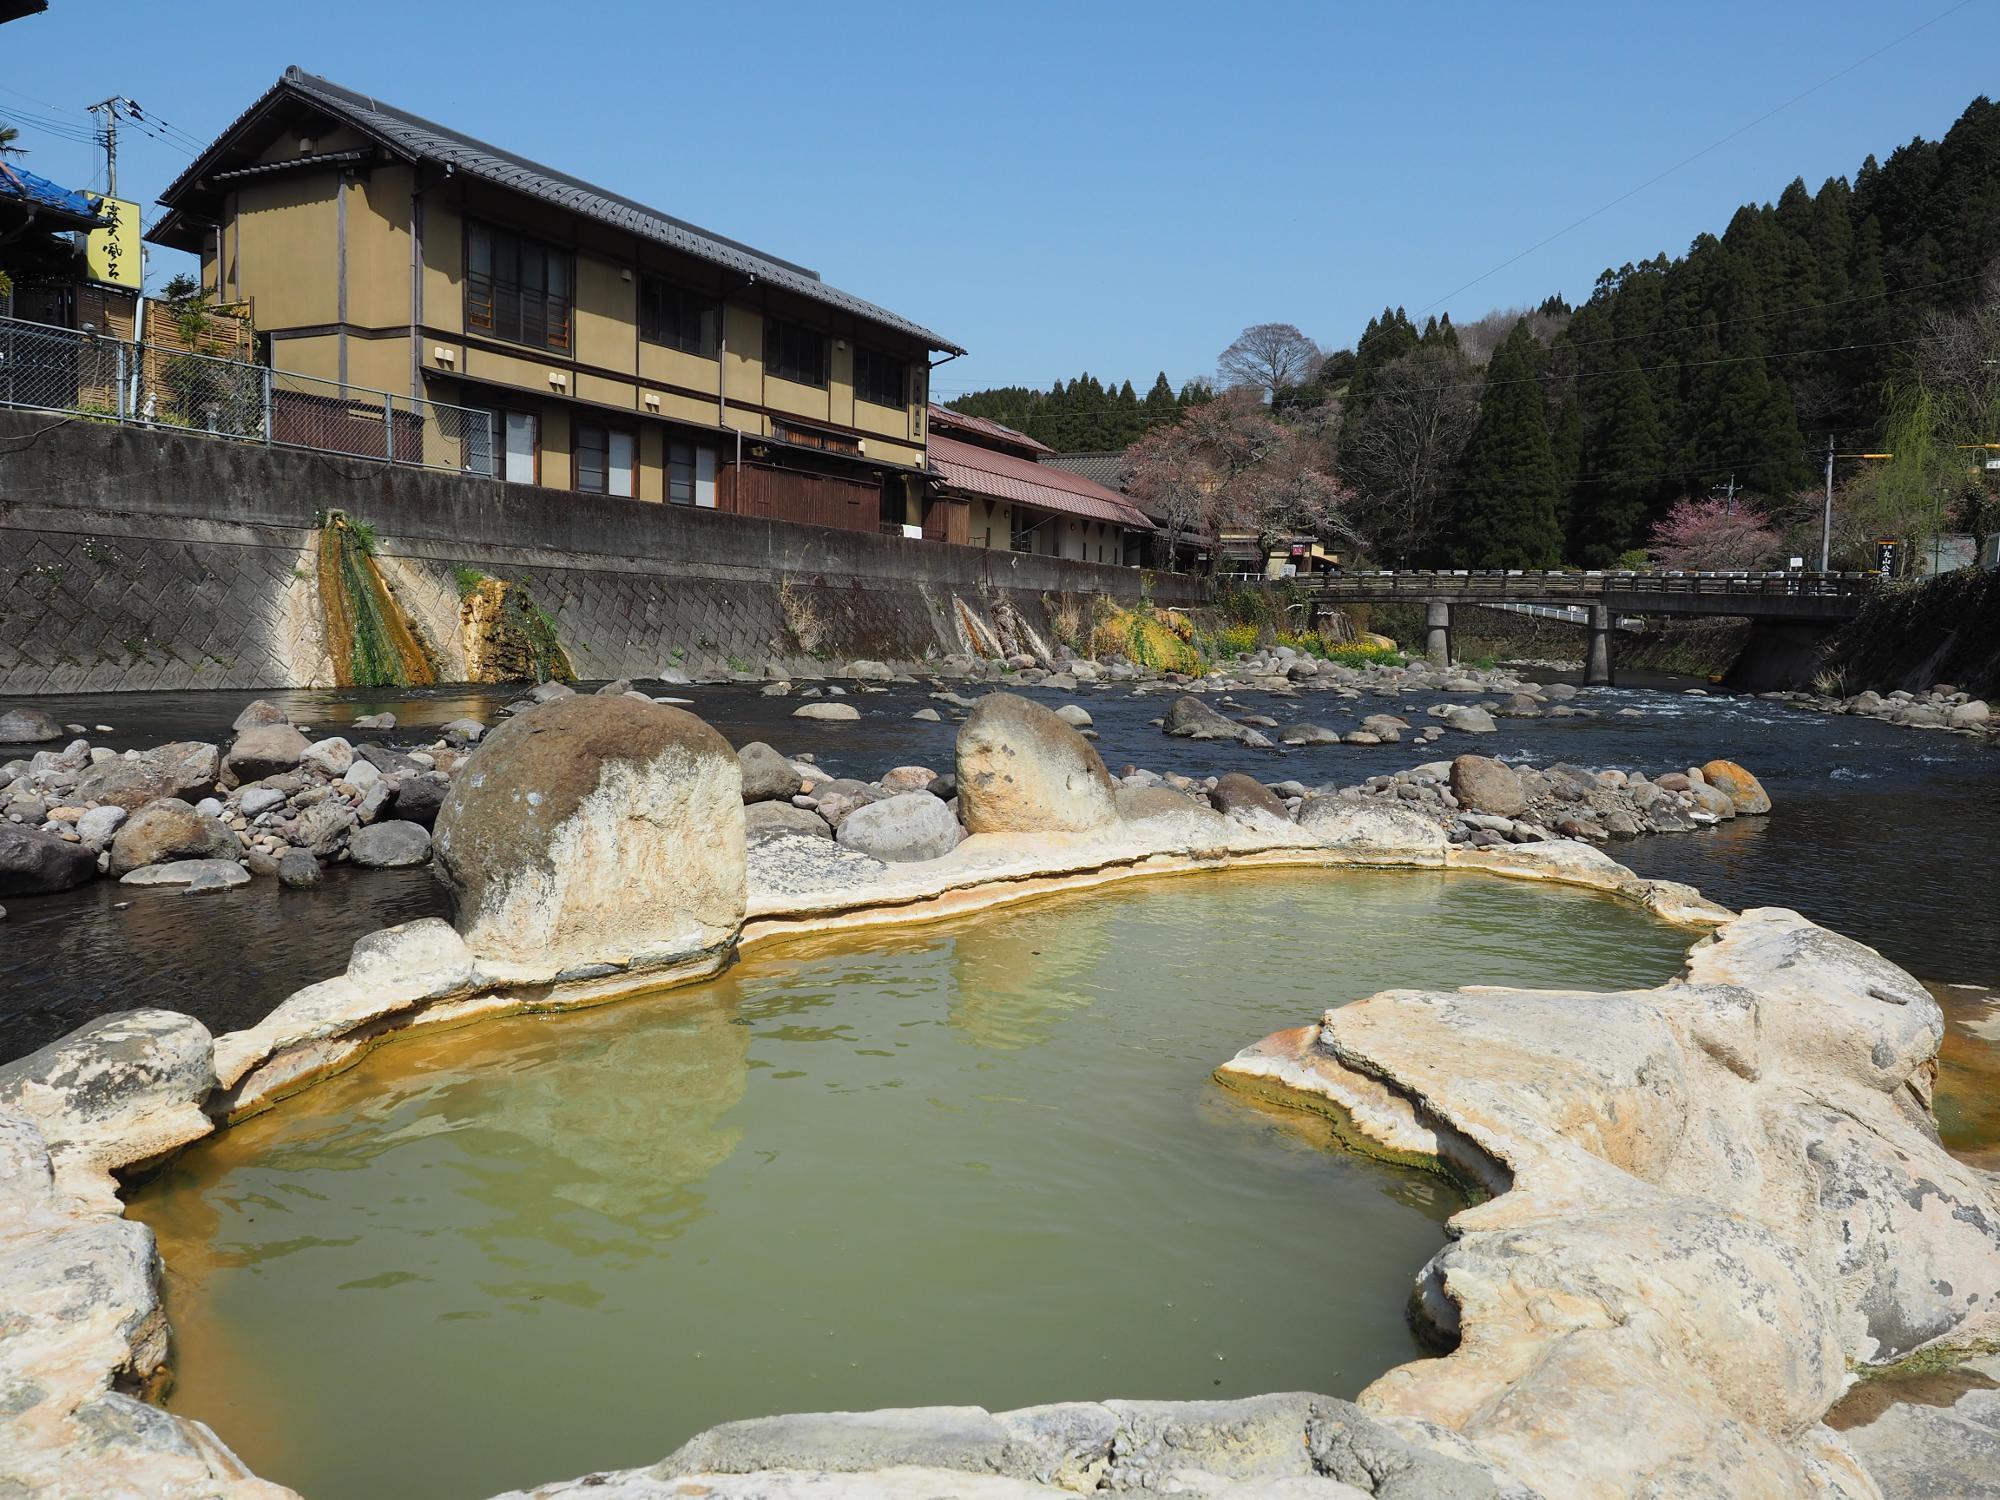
691,475
679,318
1023,534
792,352
605,460
517,289
881,378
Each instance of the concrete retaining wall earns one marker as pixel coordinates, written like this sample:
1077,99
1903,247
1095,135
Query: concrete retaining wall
139,559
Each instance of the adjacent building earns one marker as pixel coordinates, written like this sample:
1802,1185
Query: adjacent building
601,345
1001,491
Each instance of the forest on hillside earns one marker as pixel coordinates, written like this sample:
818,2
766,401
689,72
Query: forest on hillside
1698,389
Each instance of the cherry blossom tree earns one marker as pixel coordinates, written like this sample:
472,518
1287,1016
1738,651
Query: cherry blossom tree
1713,533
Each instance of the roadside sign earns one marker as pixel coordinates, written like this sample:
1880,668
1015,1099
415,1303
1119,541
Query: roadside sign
1888,555
111,256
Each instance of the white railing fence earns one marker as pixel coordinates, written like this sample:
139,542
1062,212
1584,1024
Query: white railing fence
89,375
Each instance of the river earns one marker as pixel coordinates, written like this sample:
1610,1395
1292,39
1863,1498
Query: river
1889,835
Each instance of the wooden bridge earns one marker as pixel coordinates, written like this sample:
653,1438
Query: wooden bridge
1823,599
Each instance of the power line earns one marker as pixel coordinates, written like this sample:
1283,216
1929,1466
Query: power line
1697,156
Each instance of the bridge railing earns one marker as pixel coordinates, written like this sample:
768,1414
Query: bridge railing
1496,584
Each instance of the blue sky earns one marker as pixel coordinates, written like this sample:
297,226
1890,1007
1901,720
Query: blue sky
1115,187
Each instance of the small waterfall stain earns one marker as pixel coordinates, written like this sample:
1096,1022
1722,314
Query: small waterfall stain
370,640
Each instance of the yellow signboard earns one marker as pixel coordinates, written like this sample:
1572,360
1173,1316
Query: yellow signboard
112,255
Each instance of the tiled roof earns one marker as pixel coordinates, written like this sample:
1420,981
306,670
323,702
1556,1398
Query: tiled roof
986,427
1106,466
1005,476
21,186
417,139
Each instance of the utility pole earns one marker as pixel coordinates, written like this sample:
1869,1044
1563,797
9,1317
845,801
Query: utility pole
1826,514
109,108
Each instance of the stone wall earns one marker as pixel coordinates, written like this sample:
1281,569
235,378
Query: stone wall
140,559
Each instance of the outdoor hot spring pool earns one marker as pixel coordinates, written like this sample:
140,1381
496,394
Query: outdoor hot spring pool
979,1162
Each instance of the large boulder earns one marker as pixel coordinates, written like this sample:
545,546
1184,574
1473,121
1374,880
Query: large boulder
590,828
902,829
1469,718
259,712
1191,719
1022,770
1376,829
186,769
263,750
1744,791
1486,785
767,775
26,725
33,863
169,829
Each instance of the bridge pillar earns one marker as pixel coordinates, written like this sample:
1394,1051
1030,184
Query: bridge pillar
1597,665
1437,634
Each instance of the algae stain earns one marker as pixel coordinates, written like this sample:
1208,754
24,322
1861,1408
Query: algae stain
506,634
370,640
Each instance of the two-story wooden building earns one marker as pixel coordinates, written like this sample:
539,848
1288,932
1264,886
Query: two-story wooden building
612,348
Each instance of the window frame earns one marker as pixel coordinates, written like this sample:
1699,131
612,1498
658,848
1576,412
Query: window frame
778,367
504,245
869,356
686,304
578,427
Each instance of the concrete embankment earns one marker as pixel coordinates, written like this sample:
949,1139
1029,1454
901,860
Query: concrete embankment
143,559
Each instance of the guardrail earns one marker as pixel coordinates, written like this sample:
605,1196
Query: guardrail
106,379
1590,585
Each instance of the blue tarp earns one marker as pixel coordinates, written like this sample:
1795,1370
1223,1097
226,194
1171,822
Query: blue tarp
17,183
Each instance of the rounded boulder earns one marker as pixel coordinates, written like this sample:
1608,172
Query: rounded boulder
169,830
1744,791
593,829
1021,769
1488,785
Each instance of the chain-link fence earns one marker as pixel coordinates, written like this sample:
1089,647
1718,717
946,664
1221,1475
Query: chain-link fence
59,369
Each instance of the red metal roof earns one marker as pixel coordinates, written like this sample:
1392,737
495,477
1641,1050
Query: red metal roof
1005,476
986,427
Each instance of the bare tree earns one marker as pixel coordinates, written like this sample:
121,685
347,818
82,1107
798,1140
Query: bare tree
1270,358
1398,455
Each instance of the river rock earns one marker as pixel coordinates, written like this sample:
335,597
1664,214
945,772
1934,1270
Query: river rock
1745,792
902,829
1235,792
1074,716
764,819
899,779
589,828
1138,803
259,712
169,829
1971,714
97,826
330,756
260,799
1487,785
33,863
869,671
1373,828
325,827
1469,718
121,1089
263,750
390,845
186,768
828,713
1189,718
1020,769
928,715
463,731
1712,800
767,775
298,869
428,950
26,725
202,874
367,722
1308,734
418,798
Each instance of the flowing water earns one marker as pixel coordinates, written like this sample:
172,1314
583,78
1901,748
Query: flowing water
1889,835
981,1161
